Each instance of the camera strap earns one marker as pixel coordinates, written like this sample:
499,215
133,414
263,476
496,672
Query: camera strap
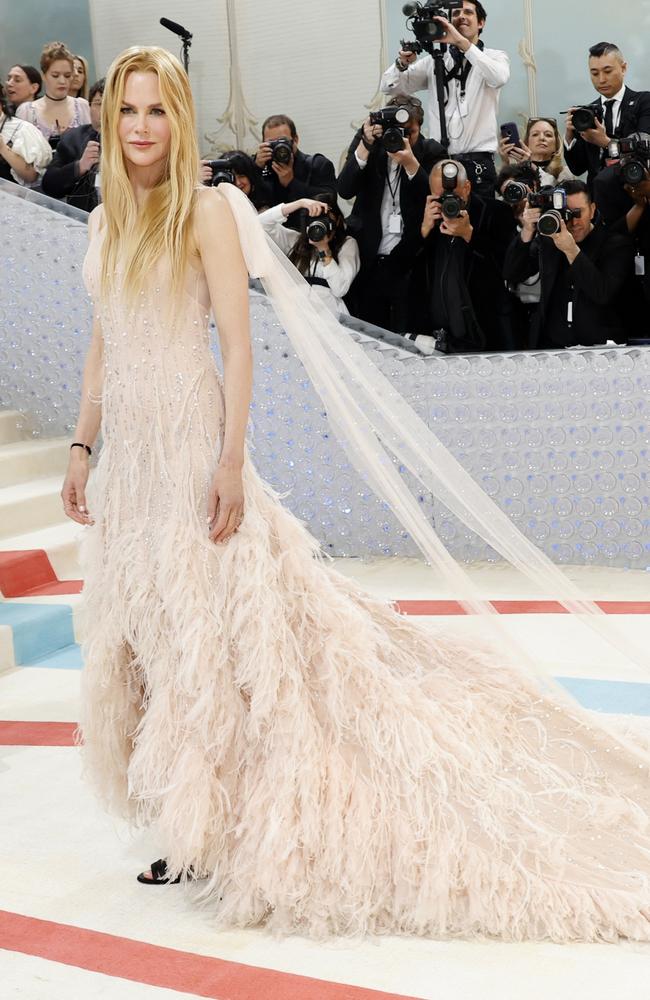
394,191
461,68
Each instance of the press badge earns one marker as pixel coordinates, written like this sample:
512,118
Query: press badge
639,266
395,224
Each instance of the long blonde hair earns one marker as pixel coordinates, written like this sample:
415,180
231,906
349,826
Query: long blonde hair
86,84
137,237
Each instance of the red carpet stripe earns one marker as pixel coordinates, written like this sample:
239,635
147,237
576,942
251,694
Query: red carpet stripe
29,573
37,734
434,608
168,968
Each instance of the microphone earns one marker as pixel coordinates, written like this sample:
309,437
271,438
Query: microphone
178,29
409,9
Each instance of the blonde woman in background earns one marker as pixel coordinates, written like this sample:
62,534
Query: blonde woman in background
542,146
79,82
56,111
325,764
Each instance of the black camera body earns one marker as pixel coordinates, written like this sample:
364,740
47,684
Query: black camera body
281,152
585,118
222,172
414,47
393,121
631,157
553,205
319,228
450,203
421,20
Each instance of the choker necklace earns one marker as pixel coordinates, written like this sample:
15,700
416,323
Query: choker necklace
57,99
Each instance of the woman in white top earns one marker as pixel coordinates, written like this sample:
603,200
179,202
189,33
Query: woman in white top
330,264
24,153
56,111
541,146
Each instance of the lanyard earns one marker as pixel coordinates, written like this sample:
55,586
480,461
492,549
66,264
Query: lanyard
394,193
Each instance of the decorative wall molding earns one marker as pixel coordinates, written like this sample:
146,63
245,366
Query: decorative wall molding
237,119
527,53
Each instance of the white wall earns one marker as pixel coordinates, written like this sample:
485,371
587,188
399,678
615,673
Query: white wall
318,63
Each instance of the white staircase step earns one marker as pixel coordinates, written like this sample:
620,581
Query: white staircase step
21,461
32,505
9,427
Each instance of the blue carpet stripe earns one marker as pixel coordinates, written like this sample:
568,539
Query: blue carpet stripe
38,629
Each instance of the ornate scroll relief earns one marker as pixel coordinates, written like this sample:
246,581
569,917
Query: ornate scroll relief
527,53
237,118
377,100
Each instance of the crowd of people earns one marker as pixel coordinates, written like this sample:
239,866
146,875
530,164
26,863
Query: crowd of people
471,238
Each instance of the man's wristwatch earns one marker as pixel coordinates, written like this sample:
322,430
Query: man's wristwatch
402,67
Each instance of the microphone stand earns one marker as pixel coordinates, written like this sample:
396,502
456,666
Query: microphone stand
186,42
437,51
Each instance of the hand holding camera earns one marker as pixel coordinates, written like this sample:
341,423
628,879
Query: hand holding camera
584,121
529,221
406,158
459,226
565,242
275,156
89,157
432,216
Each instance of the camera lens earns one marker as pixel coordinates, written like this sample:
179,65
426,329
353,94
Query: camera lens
550,224
393,140
633,172
282,154
514,192
583,119
318,230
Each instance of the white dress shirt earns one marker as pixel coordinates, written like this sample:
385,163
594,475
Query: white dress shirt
472,123
339,276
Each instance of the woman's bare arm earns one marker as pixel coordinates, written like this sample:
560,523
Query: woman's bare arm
227,277
73,493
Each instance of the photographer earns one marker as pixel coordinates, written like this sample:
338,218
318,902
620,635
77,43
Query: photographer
630,204
514,184
618,112
474,77
324,253
73,174
247,177
289,173
390,191
583,268
459,254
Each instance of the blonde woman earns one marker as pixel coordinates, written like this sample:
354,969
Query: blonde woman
542,146
324,764
56,111
79,85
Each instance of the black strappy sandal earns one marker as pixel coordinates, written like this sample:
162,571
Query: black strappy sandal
159,875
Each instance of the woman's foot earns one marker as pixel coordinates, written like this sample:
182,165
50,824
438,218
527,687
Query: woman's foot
157,874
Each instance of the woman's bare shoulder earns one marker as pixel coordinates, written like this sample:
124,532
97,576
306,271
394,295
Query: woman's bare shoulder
96,221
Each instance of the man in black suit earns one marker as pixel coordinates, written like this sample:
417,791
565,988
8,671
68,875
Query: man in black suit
390,191
583,269
305,176
460,300
619,112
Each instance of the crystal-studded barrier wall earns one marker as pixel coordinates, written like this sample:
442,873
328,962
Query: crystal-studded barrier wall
559,440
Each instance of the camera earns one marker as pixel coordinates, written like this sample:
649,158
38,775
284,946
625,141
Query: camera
514,192
421,20
392,121
222,172
319,228
584,118
281,152
449,201
414,47
631,157
553,204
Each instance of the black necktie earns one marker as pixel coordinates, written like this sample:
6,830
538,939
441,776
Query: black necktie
609,118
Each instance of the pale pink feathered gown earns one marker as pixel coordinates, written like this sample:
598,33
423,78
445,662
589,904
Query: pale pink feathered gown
337,767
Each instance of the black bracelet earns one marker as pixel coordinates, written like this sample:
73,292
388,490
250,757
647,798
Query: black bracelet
78,444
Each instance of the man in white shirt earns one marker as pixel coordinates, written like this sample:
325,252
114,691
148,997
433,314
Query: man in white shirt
618,110
474,78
